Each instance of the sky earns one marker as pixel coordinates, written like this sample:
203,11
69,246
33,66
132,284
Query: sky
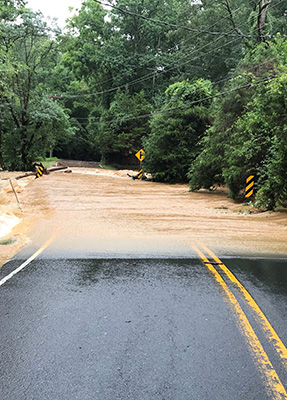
55,8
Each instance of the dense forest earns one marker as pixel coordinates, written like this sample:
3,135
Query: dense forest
201,85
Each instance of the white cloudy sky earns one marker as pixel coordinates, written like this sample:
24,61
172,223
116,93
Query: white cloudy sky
54,8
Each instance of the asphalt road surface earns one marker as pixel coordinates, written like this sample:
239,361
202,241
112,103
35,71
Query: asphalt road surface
142,329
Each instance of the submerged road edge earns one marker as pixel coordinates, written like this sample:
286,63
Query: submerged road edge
27,262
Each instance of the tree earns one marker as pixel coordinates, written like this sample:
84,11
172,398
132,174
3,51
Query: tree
146,47
27,117
258,16
9,11
123,49
177,129
223,31
123,127
249,132
110,70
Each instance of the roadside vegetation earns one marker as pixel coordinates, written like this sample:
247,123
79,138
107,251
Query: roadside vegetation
49,161
200,85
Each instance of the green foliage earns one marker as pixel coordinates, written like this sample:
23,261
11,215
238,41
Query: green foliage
177,129
29,122
114,67
206,168
48,161
47,123
7,242
249,131
122,128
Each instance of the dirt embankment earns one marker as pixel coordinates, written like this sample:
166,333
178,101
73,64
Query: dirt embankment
109,209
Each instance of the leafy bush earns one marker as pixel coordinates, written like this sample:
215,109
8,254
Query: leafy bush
177,129
249,131
122,128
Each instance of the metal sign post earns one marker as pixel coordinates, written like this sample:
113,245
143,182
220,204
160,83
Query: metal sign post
14,191
140,155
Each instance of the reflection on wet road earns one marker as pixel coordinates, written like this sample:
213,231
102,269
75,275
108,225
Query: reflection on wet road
135,329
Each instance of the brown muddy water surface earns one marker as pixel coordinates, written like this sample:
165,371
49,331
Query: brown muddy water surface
106,212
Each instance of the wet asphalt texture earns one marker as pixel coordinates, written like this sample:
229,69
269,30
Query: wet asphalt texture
139,329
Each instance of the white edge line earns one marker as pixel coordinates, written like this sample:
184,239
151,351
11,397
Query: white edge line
27,262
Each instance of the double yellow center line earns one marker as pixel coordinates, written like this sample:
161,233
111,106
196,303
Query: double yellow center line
270,376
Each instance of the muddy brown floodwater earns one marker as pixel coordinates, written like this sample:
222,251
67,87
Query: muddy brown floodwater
107,213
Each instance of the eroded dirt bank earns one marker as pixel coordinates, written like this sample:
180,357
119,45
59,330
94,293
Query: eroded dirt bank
106,211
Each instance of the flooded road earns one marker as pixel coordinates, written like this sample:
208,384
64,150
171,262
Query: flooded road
136,329
104,214
116,296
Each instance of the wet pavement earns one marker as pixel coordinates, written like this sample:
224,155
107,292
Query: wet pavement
141,329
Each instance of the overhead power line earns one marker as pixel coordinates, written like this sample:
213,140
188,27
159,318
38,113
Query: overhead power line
213,84
195,102
165,70
141,79
177,26
157,21
182,43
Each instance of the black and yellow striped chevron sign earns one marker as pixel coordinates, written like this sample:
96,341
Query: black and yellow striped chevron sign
40,171
249,186
140,174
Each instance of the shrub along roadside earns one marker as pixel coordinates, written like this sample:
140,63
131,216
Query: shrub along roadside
249,134
177,129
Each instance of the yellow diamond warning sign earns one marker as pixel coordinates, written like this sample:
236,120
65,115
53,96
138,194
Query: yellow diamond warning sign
140,155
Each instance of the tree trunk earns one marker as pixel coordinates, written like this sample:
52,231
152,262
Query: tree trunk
24,151
24,157
261,19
